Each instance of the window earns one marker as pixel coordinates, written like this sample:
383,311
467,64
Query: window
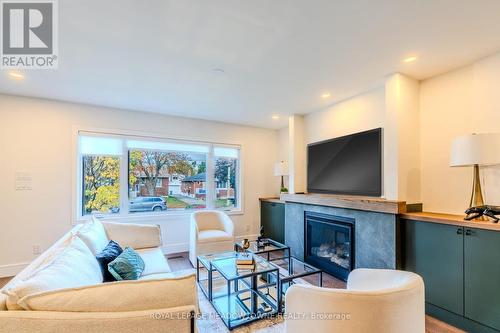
151,164
225,175
100,160
129,175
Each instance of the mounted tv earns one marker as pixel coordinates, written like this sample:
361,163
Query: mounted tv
350,164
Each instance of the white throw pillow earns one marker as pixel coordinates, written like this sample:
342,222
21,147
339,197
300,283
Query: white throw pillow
93,234
154,261
132,295
74,267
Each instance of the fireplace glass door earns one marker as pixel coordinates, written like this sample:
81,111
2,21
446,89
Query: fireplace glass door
329,243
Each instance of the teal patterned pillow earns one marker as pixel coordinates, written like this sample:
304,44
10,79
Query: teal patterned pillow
127,266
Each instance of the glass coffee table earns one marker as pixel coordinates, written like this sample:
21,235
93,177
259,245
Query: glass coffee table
272,250
209,276
245,299
293,270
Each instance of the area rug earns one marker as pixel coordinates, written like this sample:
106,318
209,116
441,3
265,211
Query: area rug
211,322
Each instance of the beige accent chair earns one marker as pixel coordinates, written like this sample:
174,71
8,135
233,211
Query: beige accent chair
375,301
211,231
55,294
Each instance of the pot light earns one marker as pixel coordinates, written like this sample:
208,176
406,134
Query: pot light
326,95
410,59
16,75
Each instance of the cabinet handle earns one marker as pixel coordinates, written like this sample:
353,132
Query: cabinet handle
468,232
459,231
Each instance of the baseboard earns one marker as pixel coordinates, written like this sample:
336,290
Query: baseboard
12,269
456,320
184,247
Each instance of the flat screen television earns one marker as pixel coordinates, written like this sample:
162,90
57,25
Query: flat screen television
350,164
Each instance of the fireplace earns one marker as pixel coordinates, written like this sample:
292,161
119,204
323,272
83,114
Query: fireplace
329,243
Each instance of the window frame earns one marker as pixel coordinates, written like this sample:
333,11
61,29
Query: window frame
124,214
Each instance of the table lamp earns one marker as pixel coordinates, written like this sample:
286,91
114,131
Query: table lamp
476,150
281,169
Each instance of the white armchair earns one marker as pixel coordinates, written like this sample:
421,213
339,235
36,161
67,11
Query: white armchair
375,301
211,231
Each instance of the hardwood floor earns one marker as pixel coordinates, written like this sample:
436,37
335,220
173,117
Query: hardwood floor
180,261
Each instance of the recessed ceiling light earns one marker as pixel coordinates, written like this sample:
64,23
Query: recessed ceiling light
326,95
16,75
218,70
275,117
410,59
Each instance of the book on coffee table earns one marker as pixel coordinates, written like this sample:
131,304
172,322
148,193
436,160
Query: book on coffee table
244,258
243,267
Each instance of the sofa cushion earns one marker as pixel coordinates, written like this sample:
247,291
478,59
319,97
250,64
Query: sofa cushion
127,266
136,236
206,236
154,261
93,234
75,266
45,258
110,253
118,296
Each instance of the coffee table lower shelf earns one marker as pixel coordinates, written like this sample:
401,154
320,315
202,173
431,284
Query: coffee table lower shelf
243,307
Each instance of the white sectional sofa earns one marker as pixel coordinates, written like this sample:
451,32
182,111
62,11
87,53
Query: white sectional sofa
62,290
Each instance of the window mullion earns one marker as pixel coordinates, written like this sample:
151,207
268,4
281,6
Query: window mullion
124,202
210,179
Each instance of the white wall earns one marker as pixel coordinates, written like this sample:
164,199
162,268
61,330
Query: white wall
282,149
463,101
296,154
402,139
36,137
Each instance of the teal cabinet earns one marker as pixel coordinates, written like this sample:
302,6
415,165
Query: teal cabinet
461,271
272,218
435,252
482,276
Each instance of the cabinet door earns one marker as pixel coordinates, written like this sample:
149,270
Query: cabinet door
482,276
435,252
273,220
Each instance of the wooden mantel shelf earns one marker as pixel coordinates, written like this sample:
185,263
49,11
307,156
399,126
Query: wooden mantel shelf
350,202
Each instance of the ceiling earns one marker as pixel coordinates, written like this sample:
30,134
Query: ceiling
244,61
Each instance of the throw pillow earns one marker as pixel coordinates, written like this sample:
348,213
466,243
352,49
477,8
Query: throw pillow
75,266
127,266
110,253
93,234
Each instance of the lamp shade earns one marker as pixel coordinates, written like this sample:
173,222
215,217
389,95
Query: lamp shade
280,168
480,149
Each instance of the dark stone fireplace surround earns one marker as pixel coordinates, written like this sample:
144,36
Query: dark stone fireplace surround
375,233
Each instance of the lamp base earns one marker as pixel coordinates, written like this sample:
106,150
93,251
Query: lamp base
476,199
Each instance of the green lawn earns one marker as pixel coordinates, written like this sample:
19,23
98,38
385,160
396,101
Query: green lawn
221,203
173,202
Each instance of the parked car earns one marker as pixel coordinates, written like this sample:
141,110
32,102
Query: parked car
148,204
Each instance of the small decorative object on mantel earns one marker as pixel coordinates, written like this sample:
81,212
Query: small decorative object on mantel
476,150
281,170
